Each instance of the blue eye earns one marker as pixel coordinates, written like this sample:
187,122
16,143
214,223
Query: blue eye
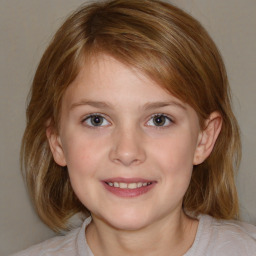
96,120
159,120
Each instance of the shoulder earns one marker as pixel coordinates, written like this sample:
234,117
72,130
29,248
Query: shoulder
59,245
228,237
232,229
70,244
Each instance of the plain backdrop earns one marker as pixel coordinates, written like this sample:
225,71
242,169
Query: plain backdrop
25,29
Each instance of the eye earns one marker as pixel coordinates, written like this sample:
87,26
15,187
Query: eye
96,120
159,120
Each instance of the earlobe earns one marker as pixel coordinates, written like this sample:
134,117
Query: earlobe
208,137
55,146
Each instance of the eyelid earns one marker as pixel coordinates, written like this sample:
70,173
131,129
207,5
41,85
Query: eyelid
163,114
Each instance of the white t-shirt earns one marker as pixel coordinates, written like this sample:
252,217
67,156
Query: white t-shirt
213,238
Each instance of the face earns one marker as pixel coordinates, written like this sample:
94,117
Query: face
129,145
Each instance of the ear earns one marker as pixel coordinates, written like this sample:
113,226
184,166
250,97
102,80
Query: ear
55,146
208,137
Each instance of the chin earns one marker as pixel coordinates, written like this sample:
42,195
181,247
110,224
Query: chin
127,221
129,225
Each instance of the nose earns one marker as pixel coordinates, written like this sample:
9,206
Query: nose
128,147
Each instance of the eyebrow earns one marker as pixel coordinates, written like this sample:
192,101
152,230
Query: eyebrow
153,105
147,106
96,104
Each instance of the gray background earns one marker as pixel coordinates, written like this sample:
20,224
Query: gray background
26,27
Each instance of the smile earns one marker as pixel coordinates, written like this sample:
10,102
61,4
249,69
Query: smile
128,188
123,185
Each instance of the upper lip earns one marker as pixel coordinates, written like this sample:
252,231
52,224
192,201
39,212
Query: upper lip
128,180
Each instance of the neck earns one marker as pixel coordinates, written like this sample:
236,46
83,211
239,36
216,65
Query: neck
168,236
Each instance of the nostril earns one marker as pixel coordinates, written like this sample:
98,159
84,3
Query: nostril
127,158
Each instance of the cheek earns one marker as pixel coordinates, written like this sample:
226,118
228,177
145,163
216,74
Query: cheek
81,154
175,153
83,158
175,159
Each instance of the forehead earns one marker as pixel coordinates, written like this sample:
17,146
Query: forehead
102,75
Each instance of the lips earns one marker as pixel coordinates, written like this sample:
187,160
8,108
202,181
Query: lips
133,185
128,187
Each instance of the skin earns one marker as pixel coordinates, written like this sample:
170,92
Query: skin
129,144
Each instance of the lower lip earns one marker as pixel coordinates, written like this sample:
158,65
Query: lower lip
122,192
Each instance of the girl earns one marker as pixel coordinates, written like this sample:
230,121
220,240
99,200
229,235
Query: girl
130,122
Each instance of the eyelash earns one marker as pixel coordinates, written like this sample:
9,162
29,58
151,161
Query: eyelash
89,118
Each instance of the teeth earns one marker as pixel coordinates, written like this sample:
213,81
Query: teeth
128,185
139,185
123,185
132,186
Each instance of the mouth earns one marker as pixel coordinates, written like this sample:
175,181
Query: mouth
132,185
128,187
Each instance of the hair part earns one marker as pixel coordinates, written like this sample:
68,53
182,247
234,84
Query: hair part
170,47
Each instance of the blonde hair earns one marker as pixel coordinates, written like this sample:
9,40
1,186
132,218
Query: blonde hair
170,47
